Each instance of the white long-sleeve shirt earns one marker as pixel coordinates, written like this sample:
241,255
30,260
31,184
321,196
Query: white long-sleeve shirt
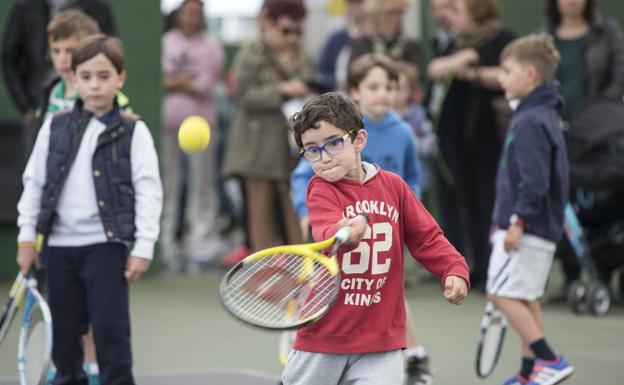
78,221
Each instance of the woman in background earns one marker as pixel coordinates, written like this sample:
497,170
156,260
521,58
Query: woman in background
268,72
191,65
469,139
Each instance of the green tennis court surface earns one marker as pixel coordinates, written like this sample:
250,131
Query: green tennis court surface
182,335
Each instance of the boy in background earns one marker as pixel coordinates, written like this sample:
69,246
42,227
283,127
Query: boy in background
360,342
531,193
88,227
65,31
416,116
392,146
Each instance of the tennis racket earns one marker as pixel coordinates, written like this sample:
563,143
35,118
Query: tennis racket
284,287
286,342
35,340
491,338
16,297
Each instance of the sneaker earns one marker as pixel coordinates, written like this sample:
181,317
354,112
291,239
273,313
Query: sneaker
550,372
418,372
235,256
517,379
93,372
50,376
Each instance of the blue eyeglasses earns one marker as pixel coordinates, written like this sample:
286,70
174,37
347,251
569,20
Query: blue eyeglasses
333,148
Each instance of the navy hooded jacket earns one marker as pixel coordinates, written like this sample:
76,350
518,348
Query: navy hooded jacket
532,180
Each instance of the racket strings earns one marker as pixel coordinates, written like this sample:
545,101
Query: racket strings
276,310
253,300
281,289
241,287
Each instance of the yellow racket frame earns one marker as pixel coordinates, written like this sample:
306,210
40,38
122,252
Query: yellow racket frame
308,250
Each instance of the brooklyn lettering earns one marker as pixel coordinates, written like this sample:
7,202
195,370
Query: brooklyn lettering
372,207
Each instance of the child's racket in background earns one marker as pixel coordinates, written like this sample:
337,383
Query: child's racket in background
16,297
284,287
491,338
35,340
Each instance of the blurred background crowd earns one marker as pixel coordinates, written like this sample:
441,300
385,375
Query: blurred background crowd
245,65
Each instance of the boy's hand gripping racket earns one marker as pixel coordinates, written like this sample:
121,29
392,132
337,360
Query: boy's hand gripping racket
284,287
491,338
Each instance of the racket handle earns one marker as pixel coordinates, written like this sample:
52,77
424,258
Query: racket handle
343,235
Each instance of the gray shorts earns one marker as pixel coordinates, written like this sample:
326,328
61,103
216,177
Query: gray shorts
522,273
306,368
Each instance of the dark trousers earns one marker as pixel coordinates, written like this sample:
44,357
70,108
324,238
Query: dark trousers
478,190
87,285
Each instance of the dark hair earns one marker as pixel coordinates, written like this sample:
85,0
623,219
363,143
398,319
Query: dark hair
360,68
331,107
553,16
72,22
275,9
93,45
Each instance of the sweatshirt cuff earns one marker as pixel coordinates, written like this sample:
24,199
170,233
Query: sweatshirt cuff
459,270
143,248
27,234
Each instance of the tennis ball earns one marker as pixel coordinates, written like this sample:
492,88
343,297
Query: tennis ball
194,134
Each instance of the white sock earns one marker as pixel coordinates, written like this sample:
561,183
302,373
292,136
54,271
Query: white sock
418,352
91,367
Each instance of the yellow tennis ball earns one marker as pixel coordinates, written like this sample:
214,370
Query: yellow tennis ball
194,134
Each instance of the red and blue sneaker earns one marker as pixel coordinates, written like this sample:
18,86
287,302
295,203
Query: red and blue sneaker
517,379
550,372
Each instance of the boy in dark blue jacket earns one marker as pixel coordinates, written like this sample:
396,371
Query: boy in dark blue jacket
531,193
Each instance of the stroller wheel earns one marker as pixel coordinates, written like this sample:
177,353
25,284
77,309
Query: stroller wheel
599,299
578,297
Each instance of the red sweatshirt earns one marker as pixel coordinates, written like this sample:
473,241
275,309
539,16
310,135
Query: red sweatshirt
369,313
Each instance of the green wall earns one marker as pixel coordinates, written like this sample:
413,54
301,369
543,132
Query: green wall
139,25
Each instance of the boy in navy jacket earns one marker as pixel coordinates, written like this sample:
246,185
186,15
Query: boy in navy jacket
531,193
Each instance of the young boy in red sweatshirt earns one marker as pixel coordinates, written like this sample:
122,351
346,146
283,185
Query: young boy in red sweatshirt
360,339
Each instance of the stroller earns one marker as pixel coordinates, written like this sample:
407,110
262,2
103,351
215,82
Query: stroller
595,219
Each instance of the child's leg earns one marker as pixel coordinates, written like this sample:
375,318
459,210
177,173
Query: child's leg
417,367
306,368
414,347
520,318
107,296
66,297
374,368
89,346
260,212
526,318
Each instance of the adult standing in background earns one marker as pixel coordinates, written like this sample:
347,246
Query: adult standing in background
469,138
191,64
334,57
596,44
387,36
591,71
268,73
25,60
